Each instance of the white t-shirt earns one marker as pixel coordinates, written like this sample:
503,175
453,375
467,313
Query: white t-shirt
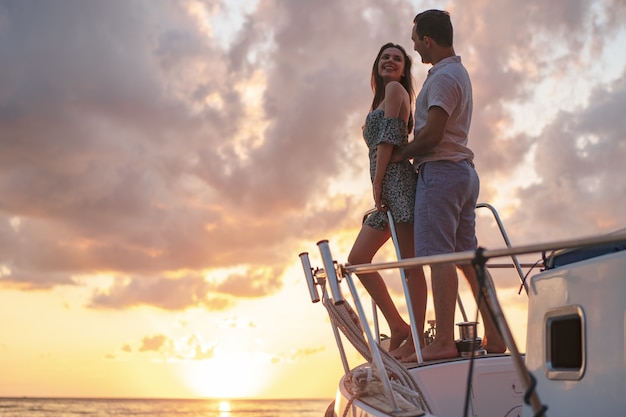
448,86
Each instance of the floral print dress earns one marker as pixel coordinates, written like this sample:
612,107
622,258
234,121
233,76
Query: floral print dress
400,179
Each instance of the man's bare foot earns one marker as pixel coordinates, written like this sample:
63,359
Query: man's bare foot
398,336
434,351
497,346
494,348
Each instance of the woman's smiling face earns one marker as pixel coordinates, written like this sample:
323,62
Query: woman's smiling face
391,64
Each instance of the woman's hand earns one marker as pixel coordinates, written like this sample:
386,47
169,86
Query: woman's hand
378,197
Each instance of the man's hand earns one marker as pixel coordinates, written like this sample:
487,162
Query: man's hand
397,153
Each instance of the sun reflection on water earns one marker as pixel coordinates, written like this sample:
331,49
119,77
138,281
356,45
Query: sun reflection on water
224,408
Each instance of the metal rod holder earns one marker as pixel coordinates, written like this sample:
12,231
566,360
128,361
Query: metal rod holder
331,272
308,273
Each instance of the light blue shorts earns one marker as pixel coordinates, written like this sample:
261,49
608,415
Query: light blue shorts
445,204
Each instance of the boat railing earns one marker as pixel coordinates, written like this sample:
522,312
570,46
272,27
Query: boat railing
505,237
333,273
515,264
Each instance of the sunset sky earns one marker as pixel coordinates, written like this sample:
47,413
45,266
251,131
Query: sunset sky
164,162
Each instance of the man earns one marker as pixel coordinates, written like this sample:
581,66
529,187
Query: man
447,188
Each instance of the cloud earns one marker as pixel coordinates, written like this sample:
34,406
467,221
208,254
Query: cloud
153,343
164,293
121,134
296,354
187,291
135,141
579,158
547,84
306,352
189,349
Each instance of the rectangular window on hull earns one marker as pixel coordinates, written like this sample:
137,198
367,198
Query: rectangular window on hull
565,343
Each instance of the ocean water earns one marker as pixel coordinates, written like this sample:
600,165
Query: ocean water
68,407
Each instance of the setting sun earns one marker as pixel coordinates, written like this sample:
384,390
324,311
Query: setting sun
228,376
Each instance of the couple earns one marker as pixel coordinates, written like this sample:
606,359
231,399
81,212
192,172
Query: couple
434,210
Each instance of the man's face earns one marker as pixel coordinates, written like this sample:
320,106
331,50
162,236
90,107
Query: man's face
420,45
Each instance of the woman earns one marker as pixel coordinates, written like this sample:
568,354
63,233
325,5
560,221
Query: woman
386,126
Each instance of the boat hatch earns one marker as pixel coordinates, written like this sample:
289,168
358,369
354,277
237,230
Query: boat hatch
569,256
565,349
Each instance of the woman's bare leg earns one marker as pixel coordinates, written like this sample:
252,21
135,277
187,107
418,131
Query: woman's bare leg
367,243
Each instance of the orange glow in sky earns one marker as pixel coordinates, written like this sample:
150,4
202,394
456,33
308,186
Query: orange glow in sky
162,165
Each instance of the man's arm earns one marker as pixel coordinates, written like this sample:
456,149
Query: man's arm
427,138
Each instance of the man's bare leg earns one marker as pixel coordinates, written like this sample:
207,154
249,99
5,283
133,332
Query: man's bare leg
445,283
492,341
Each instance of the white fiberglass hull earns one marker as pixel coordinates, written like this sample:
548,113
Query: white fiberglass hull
496,390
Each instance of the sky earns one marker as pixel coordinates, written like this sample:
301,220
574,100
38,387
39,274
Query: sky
163,163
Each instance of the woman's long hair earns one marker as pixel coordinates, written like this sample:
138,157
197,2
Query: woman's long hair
378,86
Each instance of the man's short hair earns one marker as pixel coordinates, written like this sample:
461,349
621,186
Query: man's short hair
435,24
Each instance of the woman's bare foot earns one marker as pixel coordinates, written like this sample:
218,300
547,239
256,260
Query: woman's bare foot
398,337
403,350
434,351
